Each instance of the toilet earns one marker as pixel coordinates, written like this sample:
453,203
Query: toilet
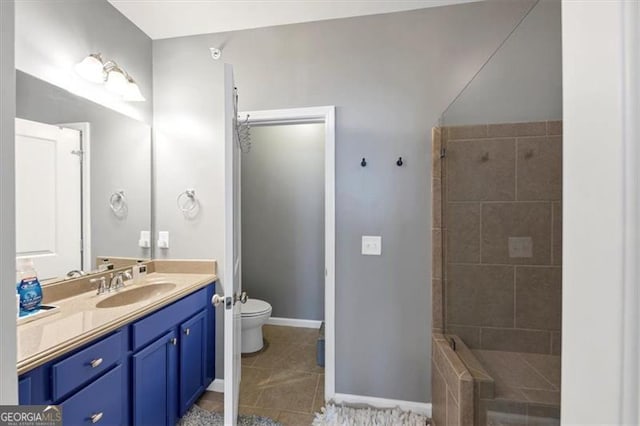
254,314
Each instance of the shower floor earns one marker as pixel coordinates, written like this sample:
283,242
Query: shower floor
526,388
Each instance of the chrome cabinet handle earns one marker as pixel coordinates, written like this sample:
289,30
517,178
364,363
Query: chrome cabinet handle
173,341
95,418
187,331
96,362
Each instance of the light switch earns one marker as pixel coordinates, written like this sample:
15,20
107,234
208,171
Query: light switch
163,239
371,245
520,247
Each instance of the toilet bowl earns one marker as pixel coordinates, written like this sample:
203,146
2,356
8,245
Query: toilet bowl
254,314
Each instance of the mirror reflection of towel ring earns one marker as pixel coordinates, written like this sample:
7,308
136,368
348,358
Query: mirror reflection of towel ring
187,200
118,201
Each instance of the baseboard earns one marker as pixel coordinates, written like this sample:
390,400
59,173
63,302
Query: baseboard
293,322
216,386
416,407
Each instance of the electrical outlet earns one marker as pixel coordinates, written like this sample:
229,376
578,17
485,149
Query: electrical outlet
371,245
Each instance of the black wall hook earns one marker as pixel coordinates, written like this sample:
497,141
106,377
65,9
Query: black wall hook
399,163
363,163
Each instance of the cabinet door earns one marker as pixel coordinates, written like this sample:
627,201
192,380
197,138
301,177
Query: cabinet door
193,356
155,382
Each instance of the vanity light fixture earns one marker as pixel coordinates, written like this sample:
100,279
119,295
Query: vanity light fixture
91,68
95,69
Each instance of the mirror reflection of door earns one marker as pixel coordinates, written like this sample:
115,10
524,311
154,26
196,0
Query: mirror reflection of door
48,197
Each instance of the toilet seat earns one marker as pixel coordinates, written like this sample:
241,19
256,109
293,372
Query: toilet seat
254,308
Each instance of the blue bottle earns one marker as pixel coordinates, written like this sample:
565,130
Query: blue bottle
28,287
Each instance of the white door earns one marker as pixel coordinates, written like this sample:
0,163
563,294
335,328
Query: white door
48,197
232,284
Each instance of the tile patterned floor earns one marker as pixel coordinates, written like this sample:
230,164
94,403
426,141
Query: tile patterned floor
282,382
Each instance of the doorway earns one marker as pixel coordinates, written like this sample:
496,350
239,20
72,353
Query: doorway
288,235
49,173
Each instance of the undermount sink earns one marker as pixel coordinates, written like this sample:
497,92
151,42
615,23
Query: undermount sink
135,295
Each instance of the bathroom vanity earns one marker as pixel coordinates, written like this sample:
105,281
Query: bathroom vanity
141,363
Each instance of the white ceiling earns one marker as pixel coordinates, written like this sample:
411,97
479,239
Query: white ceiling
175,18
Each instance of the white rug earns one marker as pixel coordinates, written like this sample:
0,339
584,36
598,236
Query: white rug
340,415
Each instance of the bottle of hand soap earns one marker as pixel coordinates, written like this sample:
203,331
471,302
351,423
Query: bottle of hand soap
28,287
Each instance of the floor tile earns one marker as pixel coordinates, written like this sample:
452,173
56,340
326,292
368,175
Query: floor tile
258,411
288,418
292,390
254,381
211,401
318,401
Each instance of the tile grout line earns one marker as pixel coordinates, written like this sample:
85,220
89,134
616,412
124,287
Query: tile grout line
515,299
551,233
537,372
315,395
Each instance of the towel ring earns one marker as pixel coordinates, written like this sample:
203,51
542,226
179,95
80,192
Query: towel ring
117,201
187,200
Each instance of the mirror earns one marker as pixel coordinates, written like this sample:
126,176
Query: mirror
83,182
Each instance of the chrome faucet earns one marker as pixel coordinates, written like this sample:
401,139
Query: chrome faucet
117,280
76,273
102,284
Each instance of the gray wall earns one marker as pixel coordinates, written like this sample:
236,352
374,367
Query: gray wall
283,219
52,36
390,76
523,81
8,384
120,159
188,145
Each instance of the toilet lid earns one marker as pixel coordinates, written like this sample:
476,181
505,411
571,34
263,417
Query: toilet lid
255,307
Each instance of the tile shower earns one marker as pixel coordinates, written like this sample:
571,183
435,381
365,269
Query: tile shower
497,255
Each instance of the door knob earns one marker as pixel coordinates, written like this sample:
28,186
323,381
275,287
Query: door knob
217,300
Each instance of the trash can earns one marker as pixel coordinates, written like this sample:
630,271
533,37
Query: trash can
320,347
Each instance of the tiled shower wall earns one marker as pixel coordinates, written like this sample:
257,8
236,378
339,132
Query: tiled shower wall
498,222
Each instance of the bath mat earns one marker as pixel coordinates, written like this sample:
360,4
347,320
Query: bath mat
197,416
341,415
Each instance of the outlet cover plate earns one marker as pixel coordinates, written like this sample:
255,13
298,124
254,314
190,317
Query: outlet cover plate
371,245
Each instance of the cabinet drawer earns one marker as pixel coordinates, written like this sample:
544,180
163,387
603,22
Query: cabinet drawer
80,368
155,325
99,403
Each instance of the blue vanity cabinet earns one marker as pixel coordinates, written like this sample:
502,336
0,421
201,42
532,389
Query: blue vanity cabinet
149,372
193,350
154,376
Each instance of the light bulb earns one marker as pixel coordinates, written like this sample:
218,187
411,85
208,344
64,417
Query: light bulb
91,68
133,93
116,82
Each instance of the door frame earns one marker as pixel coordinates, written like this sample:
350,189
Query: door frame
85,189
326,115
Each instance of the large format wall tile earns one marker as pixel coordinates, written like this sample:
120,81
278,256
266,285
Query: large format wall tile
539,298
515,340
557,233
480,295
501,221
439,392
480,170
463,232
539,168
